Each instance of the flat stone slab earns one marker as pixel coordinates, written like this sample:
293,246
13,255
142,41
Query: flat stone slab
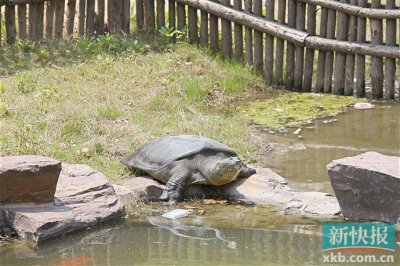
265,187
28,178
367,186
84,198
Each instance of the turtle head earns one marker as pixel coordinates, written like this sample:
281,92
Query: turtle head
227,170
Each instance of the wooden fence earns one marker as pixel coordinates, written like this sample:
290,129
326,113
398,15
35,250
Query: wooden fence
36,19
355,39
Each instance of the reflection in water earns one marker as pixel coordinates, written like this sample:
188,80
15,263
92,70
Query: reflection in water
190,231
355,132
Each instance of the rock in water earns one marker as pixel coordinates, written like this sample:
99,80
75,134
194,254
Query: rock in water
367,186
83,198
28,179
177,213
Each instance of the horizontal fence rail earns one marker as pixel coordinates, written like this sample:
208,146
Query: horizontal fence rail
344,47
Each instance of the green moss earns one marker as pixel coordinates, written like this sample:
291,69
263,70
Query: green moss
291,109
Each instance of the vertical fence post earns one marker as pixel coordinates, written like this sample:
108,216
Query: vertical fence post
290,46
390,63
22,34
90,11
258,40
309,59
126,16
50,7
330,34
226,41
160,14
172,14
238,34
340,59
181,16
82,17
360,59
139,14
100,16
192,26
33,21
299,52
204,29
71,4
319,84
10,24
376,62
248,34
269,44
350,58
214,32
59,19
280,44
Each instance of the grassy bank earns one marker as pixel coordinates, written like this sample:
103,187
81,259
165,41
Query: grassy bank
93,102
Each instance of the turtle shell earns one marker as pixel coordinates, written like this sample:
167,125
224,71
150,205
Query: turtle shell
161,152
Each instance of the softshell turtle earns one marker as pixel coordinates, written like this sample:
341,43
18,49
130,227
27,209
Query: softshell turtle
179,161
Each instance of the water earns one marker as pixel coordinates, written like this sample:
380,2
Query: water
229,235
303,161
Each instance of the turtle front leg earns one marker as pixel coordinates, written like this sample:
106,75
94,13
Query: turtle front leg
246,172
174,189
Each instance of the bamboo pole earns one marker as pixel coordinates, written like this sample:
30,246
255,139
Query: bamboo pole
238,34
330,34
82,17
309,59
160,14
71,4
360,59
59,19
226,41
22,33
214,32
192,26
290,50
340,59
181,16
280,44
10,24
319,84
269,44
258,39
248,6
376,62
204,29
50,7
299,52
390,63
140,14
101,7
90,11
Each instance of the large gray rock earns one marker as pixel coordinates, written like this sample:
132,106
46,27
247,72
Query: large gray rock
265,187
84,198
28,178
367,186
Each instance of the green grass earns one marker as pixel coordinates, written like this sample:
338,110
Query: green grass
104,98
96,101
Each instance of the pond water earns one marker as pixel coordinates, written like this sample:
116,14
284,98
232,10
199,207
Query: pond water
228,234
